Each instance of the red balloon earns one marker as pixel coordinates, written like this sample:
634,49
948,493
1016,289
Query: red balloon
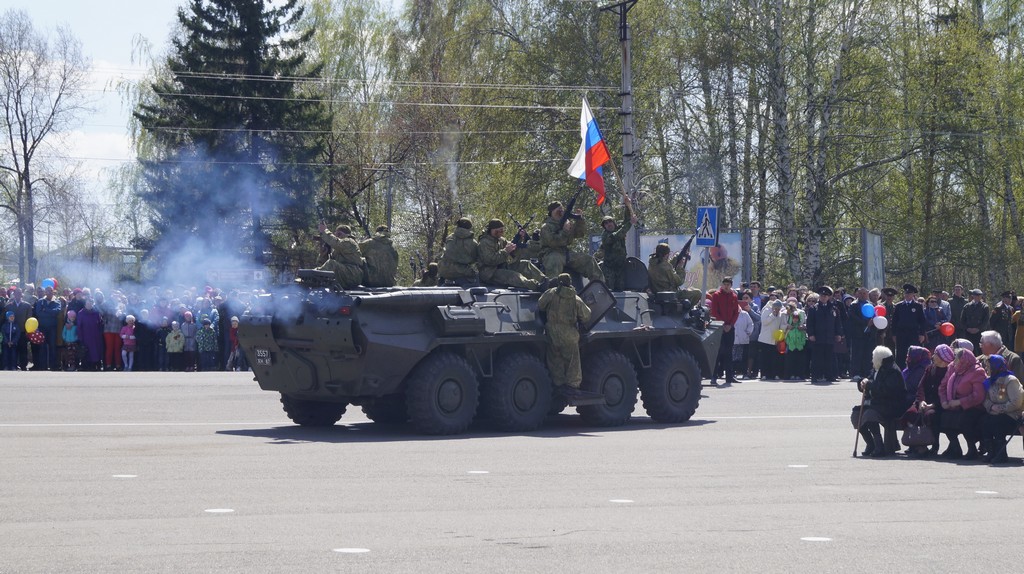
947,329
880,310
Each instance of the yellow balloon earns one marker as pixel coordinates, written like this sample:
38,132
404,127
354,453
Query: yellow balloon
31,325
779,335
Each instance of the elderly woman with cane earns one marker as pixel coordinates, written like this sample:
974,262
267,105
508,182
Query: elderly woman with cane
883,400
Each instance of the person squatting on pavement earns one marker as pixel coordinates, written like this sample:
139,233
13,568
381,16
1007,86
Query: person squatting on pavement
564,310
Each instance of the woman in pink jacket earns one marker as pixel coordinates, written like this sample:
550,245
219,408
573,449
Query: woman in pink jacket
961,394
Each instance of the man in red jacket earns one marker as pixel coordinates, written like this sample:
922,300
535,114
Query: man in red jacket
725,307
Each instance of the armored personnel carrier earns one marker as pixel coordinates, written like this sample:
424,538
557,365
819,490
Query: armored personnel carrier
440,357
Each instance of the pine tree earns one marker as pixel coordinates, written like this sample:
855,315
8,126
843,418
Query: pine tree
235,159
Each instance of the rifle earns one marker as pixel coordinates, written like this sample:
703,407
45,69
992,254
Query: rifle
420,259
684,253
518,240
567,212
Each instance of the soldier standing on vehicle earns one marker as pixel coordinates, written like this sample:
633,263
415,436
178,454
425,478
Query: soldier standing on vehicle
346,261
459,255
381,258
662,275
565,310
555,239
613,247
499,263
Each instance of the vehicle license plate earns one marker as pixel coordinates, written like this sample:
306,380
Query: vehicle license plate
263,356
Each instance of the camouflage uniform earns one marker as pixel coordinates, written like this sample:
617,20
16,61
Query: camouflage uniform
613,250
459,255
662,275
564,310
499,267
346,262
381,259
555,254
429,278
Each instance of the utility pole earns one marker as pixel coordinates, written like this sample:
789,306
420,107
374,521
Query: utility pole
626,91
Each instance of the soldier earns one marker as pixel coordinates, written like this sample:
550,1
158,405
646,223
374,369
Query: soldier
499,264
346,261
824,329
613,247
907,324
974,318
555,240
429,278
662,274
459,256
381,258
565,310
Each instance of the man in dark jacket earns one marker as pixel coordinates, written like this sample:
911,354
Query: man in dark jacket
908,323
974,318
824,330
956,310
859,336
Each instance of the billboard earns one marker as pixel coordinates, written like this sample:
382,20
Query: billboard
725,259
873,270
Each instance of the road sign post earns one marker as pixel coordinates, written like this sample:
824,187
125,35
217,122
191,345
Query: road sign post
707,236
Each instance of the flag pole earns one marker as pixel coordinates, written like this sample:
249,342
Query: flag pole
622,187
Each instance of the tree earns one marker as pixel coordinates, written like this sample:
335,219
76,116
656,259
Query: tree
233,161
42,83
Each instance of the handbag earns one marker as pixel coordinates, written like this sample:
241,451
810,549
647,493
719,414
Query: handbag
918,434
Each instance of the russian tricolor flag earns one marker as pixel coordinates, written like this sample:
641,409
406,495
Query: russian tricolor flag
592,155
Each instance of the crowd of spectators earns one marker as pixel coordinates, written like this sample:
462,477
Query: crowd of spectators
120,329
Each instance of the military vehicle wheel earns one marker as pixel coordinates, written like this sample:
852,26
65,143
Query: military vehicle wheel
312,413
442,394
612,375
670,389
388,409
518,397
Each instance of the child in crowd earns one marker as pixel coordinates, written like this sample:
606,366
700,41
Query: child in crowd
128,341
162,363
175,344
11,333
235,359
70,336
206,342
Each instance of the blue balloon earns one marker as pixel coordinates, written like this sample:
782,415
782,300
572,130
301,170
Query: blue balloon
868,310
47,283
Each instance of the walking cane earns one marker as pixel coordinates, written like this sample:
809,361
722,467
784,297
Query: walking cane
860,419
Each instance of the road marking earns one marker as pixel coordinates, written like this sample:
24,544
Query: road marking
798,466
816,539
985,492
352,550
219,510
478,472
124,476
621,500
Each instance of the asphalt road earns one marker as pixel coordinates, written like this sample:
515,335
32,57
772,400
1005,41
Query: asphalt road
158,472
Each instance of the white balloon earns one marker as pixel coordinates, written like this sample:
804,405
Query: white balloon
880,321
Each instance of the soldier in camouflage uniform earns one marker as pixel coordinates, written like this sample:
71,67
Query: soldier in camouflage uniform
499,262
381,258
613,247
555,240
429,278
346,262
460,249
564,311
662,274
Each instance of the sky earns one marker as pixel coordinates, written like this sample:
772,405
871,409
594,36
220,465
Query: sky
108,31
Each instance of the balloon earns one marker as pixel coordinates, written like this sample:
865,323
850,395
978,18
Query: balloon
881,322
48,283
778,335
867,310
55,284
31,324
947,329
880,311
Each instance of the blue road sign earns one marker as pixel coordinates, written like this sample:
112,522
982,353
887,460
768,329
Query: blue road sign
707,226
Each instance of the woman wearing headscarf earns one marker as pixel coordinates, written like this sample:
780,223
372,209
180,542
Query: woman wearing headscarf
1004,402
885,399
927,407
918,358
962,393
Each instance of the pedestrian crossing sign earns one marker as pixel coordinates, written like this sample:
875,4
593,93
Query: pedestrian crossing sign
707,226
